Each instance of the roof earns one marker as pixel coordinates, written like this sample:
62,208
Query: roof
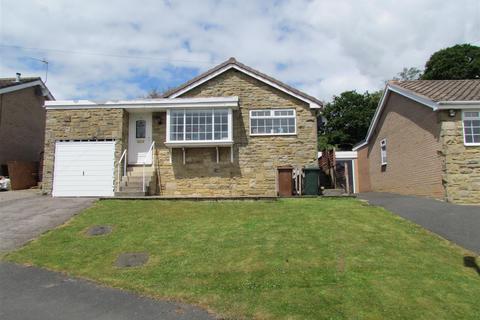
435,94
11,84
233,63
8,82
443,90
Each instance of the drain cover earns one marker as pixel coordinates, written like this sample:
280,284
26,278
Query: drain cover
133,259
99,230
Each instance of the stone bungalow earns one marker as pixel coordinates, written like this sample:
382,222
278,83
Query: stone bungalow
424,140
224,133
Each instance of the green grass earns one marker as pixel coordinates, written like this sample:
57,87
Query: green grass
286,259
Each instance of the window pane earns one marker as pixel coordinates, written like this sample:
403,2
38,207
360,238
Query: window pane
140,126
472,114
272,121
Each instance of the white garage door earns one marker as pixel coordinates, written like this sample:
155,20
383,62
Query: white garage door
83,168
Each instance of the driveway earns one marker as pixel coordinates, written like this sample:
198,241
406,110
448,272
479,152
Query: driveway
31,293
457,223
26,214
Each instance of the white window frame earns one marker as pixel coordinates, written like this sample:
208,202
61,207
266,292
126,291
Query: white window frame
383,152
463,127
272,117
192,142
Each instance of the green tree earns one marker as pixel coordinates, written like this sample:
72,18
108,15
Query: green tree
411,73
346,119
154,93
461,61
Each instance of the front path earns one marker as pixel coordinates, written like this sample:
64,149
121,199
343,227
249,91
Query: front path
457,223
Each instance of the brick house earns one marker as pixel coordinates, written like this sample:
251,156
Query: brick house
424,140
22,121
224,133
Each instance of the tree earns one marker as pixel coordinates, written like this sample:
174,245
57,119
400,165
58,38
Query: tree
411,73
347,119
461,61
154,93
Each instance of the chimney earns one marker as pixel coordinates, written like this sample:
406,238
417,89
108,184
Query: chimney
17,79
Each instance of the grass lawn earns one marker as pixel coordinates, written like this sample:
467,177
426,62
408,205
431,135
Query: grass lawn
286,259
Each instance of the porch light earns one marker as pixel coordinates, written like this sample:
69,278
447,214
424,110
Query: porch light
451,113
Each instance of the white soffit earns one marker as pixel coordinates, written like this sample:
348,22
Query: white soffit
146,104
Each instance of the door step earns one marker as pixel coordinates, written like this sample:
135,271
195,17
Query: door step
121,194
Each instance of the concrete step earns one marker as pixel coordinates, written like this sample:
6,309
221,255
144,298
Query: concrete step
136,179
133,188
130,194
139,168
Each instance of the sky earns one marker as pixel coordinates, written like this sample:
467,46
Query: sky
122,49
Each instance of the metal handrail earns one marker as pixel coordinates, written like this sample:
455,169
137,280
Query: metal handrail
147,156
124,155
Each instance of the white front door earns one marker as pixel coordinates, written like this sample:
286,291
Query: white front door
139,138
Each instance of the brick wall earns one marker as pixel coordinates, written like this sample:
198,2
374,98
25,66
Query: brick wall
22,124
362,172
415,163
82,125
253,171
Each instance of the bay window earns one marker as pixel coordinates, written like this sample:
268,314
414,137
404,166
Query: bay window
199,125
471,128
273,122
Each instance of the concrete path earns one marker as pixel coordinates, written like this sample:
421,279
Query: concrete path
31,293
25,214
457,223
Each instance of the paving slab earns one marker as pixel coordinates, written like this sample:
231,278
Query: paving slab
457,223
29,293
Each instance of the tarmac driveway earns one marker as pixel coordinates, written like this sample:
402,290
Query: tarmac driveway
33,293
26,214
457,223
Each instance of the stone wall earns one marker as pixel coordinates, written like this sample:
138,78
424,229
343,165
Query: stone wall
86,124
462,163
254,169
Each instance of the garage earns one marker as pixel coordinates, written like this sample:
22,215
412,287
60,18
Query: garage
84,169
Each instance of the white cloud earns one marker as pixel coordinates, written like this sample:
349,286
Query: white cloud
324,47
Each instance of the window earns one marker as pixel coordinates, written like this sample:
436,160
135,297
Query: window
199,125
140,126
471,128
272,122
383,151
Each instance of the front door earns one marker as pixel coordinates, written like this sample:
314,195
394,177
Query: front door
139,138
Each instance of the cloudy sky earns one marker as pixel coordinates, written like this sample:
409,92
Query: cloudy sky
122,49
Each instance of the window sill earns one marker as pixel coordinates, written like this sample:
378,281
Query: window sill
471,144
272,134
198,144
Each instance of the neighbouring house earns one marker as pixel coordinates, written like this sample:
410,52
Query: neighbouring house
424,140
22,128
231,131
